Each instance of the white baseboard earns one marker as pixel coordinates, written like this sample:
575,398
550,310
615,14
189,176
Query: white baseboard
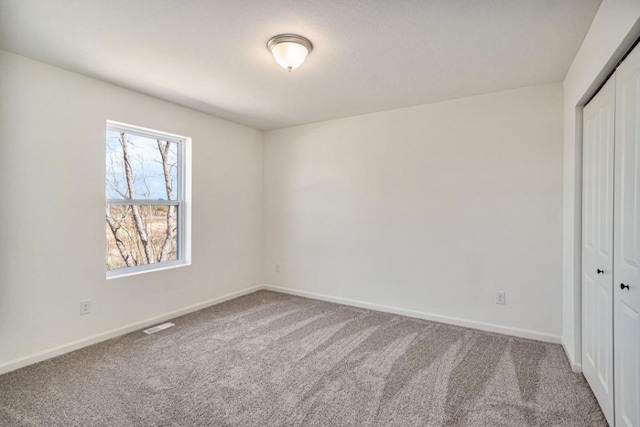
575,366
75,345
84,342
517,332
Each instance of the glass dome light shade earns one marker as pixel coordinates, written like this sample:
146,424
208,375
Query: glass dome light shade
289,51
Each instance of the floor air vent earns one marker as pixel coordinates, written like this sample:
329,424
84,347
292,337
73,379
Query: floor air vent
158,328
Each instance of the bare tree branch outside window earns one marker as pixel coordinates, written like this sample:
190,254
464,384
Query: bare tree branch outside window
140,170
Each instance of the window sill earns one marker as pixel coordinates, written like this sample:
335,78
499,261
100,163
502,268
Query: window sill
149,268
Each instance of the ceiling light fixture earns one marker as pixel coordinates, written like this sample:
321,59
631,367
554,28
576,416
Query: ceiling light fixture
289,50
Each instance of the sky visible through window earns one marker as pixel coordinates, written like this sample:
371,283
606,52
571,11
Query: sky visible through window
146,164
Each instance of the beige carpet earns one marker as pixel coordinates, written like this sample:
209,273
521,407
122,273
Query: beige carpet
269,359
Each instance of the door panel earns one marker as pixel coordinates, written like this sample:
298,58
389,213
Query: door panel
627,243
597,252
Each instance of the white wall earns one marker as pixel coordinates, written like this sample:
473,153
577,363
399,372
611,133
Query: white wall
52,231
612,32
430,208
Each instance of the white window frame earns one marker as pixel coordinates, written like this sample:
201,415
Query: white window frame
183,200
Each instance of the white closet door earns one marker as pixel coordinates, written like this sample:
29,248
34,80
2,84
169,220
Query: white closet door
627,243
597,246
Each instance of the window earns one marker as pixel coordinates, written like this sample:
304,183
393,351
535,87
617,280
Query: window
145,200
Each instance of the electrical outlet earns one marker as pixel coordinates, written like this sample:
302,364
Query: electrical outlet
85,307
500,297
277,268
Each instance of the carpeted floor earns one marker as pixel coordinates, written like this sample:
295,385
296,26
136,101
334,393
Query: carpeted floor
269,359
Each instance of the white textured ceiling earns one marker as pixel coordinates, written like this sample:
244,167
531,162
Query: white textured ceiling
369,55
